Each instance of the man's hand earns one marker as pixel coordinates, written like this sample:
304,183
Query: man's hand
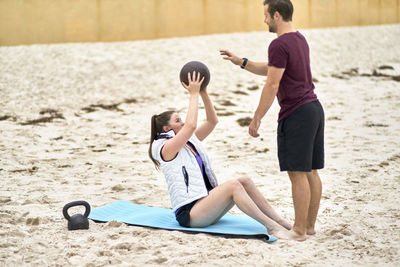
230,56
253,127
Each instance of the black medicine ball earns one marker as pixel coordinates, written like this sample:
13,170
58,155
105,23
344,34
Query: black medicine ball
197,67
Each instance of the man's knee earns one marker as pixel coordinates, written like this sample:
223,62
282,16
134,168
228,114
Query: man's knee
297,175
313,175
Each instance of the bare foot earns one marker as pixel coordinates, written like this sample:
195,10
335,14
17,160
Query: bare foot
310,231
285,224
288,235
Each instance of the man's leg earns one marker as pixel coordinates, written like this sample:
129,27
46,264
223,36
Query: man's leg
301,201
315,191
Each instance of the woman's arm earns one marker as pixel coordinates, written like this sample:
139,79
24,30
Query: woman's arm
211,117
175,144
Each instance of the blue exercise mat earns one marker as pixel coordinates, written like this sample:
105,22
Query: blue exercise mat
127,212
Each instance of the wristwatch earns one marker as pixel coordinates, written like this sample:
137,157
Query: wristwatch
244,63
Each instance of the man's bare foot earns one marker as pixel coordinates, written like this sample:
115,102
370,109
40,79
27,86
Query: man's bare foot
287,235
310,231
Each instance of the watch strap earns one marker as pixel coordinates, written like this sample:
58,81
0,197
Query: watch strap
244,63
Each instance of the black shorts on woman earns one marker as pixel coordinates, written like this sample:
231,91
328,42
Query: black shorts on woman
301,139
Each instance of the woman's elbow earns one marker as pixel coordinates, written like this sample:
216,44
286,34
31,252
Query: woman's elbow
214,122
191,126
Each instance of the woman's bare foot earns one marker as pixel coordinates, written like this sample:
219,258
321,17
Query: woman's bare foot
285,224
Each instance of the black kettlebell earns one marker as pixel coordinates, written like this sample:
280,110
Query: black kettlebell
77,221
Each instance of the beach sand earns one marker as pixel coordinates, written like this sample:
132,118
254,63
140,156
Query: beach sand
75,125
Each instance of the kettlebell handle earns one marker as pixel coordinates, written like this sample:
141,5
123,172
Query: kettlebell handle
73,204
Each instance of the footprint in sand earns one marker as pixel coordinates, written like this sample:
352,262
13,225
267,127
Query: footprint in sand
394,157
244,122
253,88
113,236
340,231
33,221
227,103
4,200
238,92
117,188
160,260
225,114
114,224
104,253
122,247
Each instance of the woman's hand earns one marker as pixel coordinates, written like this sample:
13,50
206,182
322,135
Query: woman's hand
194,82
203,91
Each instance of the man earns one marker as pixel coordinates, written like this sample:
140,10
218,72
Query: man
301,117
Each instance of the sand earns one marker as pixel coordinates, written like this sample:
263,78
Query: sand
75,125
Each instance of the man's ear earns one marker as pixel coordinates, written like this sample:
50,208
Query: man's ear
276,15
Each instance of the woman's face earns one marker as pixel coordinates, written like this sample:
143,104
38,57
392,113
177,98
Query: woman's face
175,123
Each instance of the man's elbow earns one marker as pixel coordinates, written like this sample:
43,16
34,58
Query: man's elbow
273,87
265,72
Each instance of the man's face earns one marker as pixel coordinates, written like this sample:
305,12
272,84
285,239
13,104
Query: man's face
269,20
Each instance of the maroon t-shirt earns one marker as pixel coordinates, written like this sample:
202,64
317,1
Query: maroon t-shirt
291,52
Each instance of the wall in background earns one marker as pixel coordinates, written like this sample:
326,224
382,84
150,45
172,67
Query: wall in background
60,21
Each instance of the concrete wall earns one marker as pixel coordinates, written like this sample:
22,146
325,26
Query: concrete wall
59,21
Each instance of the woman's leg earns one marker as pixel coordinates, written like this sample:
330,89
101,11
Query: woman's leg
208,209
224,212
262,203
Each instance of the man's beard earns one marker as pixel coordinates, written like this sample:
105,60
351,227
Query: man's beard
272,27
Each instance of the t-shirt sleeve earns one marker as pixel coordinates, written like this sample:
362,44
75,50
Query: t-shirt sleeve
156,148
277,55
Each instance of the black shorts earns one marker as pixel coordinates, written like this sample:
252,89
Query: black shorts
183,215
301,139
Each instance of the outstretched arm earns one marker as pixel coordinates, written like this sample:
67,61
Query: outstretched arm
175,144
259,68
211,117
267,98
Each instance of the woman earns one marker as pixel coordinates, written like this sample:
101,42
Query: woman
196,197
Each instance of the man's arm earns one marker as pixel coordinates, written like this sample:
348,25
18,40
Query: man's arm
259,68
267,98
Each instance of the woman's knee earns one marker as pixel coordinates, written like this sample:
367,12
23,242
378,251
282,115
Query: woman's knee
245,181
234,185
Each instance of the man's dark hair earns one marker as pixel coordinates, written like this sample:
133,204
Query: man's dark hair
284,7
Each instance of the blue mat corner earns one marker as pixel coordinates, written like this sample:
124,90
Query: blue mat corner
130,213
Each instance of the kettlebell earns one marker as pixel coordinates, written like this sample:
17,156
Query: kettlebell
77,221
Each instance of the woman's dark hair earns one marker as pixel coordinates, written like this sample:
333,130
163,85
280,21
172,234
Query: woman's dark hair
284,7
157,124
